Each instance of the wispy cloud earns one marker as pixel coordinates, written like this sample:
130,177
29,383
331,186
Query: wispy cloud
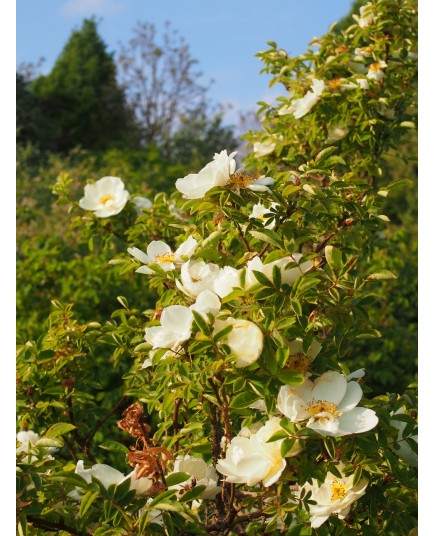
72,8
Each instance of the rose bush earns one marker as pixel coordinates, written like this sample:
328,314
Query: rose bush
231,398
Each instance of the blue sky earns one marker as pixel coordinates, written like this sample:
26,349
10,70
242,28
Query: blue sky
223,35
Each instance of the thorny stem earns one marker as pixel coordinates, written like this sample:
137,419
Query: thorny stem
91,434
52,526
231,523
242,237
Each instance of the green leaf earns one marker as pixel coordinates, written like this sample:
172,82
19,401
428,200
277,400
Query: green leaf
268,236
262,279
296,305
243,400
381,274
162,496
59,429
277,277
87,501
201,323
322,155
280,434
290,377
333,257
192,494
286,446
114,446
176,478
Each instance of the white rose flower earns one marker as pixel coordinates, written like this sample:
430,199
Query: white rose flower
364,52
207,302
215,173
203,473
106,197
366,17
375,71
259,212
250,459
400,446
328,404
289,275
336,133
299,360
175,328
262,148
301,107
108,475
160,253
334,496
29,439
142,203
245,340
197,276
226,280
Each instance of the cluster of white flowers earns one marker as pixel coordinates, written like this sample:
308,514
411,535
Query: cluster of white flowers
327,404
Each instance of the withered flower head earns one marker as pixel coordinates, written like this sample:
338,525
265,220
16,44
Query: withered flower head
134,422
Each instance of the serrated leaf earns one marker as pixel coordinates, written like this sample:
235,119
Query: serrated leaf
333,257
243,400
114,446
201,323
192,494
382,274
290,377
286,446
268,236
177,478
59,428
86,502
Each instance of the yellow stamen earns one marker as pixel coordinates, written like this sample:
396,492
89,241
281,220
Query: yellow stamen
322,406
338,490
165,257
341,49
334,83
375,66
106,199
242,178
299,362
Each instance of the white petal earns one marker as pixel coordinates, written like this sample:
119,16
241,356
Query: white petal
356,421
207,302
187,248
331,386
157,247
351,398
359,373
177,318
139,255
144,270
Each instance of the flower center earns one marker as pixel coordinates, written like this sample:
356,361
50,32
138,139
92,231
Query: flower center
375,67
242,178
335,83
106,199
299,362
165,257
338,490
322,406
341,49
